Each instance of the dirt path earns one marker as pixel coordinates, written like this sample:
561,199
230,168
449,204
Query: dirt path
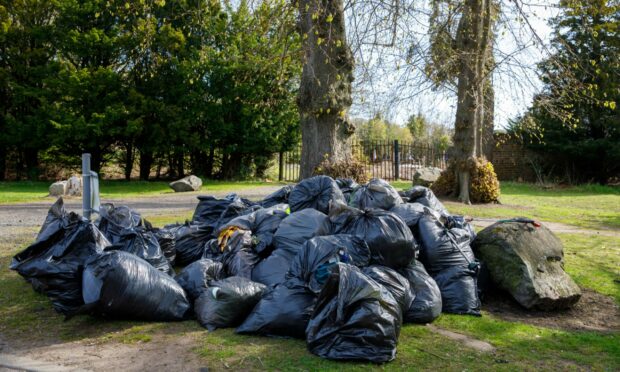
163,352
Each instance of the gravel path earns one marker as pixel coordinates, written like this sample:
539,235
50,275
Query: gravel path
15,217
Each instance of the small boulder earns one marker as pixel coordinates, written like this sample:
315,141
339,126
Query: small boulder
426,176
58,188
74,186
528,262
189,183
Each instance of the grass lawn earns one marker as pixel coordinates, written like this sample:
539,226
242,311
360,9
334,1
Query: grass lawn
27,191
592,261
588,206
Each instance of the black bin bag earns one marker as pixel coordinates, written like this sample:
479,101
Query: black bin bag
316,192
318,255
292,233
226,303
197,276
459,290
283,311
442,248
190,242
377,193
144,244
263,223
53,264
277,197
166,239
216,212
426,305
447,255
390,241
124,229
117,284
395,283
272,270
238,257
410,213
426,197
355,318
348,186
298,227
113,220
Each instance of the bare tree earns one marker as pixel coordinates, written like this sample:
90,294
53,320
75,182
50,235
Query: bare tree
325,88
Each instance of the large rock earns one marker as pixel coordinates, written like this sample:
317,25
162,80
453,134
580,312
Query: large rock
528,262
58,188
189,183
74,186
426,176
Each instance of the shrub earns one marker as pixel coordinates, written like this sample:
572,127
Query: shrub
484,187
351,167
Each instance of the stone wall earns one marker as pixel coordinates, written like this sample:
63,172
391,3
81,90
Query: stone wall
511,160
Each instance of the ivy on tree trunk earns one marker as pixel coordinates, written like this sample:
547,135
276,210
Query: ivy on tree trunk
474,45
325,90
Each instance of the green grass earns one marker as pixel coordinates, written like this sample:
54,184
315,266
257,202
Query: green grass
593,261
28,191
588,206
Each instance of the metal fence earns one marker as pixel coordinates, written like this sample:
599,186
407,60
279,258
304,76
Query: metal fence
390,160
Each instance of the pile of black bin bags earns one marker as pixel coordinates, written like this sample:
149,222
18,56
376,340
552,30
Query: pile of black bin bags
338,264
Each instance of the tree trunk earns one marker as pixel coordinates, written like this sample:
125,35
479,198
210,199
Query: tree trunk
473,41
180,162
2,163
210,162
231,166
129,158
146,162
96,160
325,90
31,157
486,140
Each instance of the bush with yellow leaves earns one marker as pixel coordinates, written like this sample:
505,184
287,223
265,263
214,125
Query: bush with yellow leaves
484,187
